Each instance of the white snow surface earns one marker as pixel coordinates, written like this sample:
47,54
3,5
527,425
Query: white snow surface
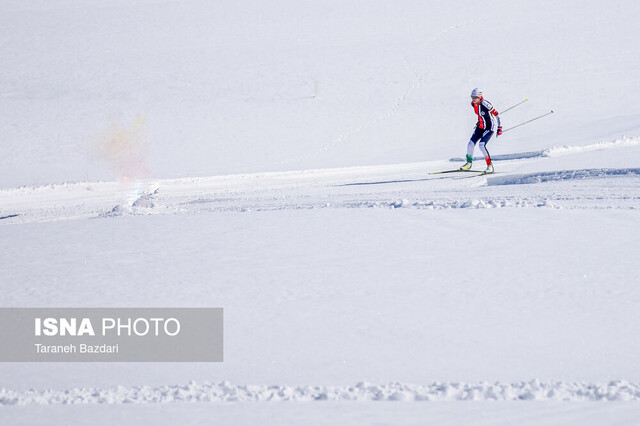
226,392
277,160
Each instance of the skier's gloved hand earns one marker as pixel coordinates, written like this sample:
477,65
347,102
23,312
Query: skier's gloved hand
499,131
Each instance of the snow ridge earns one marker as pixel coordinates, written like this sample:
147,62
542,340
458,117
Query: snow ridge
226,392
623,142
560,175
556,151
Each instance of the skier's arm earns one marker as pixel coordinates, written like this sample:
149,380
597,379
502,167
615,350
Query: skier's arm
495,112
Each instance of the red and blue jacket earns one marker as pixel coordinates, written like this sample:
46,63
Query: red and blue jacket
488,118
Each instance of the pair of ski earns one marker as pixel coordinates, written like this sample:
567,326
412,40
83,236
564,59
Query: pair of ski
475,173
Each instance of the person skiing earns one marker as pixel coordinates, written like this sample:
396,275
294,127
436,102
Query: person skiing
488,121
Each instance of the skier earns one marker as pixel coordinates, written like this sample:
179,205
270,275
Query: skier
488,121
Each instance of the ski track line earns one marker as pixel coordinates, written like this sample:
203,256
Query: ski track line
156,204
313,189
267,180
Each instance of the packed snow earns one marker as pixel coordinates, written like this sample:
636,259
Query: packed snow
226,392
280,161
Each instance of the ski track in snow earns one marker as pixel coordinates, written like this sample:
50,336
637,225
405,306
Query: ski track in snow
561,175
226,392
391,186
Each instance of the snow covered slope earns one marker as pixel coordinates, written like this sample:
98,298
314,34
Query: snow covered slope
167,89
587,167
277,160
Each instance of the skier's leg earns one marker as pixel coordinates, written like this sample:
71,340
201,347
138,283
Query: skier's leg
483,146
475,137
470,147
469,163
483,150
485,153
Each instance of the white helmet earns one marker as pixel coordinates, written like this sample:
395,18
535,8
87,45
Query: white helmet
476,93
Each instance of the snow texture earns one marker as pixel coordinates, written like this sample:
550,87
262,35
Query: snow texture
226,392
277,160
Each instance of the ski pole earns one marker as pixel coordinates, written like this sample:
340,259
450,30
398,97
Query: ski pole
512,107
522,124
